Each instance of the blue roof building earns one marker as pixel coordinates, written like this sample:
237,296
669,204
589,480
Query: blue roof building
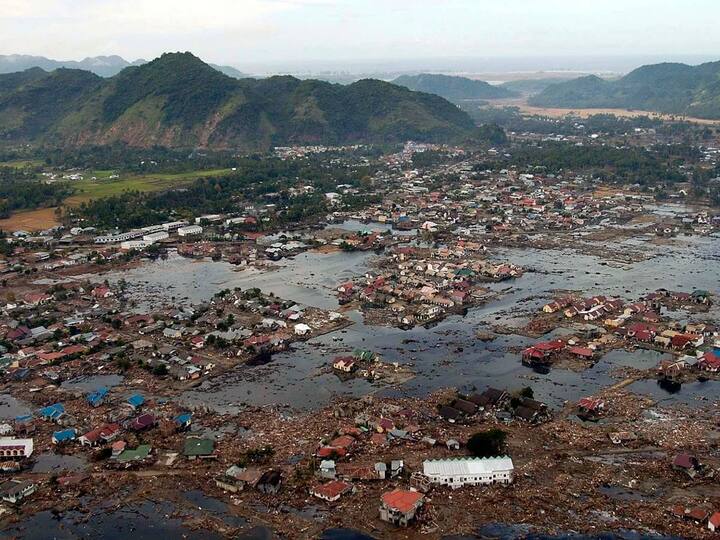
53,412
136,401
183,420
64,435
97,397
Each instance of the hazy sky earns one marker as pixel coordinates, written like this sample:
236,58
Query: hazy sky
243,32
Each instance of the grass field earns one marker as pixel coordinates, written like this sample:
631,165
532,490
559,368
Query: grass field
22,163
103,186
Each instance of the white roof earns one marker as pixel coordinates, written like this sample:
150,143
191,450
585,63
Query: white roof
466,466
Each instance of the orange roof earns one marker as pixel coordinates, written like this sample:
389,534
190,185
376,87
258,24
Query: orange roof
344,441
715,519
332,489
401,500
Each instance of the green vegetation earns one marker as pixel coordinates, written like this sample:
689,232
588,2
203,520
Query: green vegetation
669,88
631,165
453,88
182,102
255,180
19,190
531,86
487,443
88,189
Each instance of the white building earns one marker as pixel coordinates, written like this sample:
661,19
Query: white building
208,217
15,448
172,225
190,230
460,472
302,329
134,244
155,237
112,238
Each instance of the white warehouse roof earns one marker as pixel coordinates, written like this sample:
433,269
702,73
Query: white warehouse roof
466,466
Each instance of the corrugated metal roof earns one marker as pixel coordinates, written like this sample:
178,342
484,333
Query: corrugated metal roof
466,466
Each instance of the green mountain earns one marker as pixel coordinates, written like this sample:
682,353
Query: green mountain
179,101
453,88
669,88
105,66
531,86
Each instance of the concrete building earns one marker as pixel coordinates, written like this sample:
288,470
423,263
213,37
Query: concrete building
134,244
460,472
11,447
172,225
113,238
400,506
190,230
155,237
13,491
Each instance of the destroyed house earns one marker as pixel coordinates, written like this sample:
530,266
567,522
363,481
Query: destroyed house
199,448
269,483
64,435
136,401
13,491
356,471
465,406
331,491
450,414
231,481
96,398
492,397
686,463
133,455
531,411
142,422
400,507
52,412
100,435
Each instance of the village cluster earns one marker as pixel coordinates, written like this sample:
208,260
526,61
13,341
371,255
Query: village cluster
598,324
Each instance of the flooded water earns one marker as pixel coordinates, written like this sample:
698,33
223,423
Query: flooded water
145,521
11,407
90,384
309,278
448,354
213,507
524,532
57,463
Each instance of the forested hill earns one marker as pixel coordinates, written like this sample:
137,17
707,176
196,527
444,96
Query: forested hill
179,101
453,88
669,88
105,66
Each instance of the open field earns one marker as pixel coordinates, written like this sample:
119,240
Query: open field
521,103
86,190
22,163
30,220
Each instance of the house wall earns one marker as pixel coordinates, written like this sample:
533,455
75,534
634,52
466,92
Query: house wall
456,481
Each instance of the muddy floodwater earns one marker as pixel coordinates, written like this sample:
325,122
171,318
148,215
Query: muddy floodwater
449,354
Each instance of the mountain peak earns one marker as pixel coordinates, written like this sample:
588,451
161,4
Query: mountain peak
668,87
452,87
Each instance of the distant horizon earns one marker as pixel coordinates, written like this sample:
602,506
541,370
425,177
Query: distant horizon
529,64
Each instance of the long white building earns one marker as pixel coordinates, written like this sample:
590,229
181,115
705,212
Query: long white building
458,472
